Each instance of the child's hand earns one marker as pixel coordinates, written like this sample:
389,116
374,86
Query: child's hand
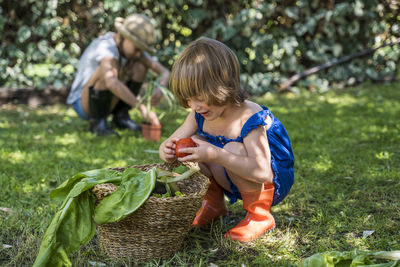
169,150
204,152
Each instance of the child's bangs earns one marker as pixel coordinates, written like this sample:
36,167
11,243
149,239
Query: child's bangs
187,81
181,83
207,71
208,91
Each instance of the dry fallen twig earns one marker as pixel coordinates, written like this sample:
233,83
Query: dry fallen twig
286,85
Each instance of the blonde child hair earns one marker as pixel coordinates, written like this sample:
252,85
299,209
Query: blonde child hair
209,71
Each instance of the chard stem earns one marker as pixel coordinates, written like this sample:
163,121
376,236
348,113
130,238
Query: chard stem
184,175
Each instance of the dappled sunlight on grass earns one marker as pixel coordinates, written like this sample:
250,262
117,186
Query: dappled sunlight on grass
374,129
345,100
29,188
71,113
16,157
54,109
346,151
346,146
61,154
121,163
67,139
383,155
322,165
354,240
96,161
281,207
4,124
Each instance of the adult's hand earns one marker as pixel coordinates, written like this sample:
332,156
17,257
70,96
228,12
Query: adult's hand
153,118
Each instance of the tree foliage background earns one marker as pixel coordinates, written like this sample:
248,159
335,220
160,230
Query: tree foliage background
272,39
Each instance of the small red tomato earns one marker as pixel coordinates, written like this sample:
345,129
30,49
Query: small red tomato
181,143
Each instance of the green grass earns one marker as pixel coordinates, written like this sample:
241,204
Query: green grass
347,149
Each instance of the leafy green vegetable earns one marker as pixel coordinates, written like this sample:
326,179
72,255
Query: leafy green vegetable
169,178
87,180
184,175
179,194
353,258
134,190
72,226
180,169
167,194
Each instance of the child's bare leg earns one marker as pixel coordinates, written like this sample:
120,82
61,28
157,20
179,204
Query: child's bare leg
217,172
213,204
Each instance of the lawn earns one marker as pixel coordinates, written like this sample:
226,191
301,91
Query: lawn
347,149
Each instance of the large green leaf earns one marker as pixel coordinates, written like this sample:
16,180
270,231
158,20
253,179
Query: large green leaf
352,259
23,34
73,224
134,190
292,12
71,227
90,179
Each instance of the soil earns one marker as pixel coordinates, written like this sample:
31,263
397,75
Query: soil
33,97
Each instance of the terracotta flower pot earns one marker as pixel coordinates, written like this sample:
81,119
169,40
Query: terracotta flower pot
151,132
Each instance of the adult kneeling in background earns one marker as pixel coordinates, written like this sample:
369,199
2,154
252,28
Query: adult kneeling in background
110,73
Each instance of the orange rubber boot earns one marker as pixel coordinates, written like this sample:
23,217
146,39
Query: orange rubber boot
213,205
258,219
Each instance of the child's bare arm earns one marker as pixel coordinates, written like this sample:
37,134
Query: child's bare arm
258,161
255,166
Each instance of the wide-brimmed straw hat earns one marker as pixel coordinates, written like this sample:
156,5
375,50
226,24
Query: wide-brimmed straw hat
139,29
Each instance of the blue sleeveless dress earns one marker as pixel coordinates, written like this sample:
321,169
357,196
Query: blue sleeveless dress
282,158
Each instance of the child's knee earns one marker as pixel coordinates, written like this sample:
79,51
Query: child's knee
204,169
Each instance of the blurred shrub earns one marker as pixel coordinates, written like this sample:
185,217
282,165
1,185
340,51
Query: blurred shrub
273,39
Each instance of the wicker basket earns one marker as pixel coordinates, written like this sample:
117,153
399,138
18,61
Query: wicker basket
157,229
